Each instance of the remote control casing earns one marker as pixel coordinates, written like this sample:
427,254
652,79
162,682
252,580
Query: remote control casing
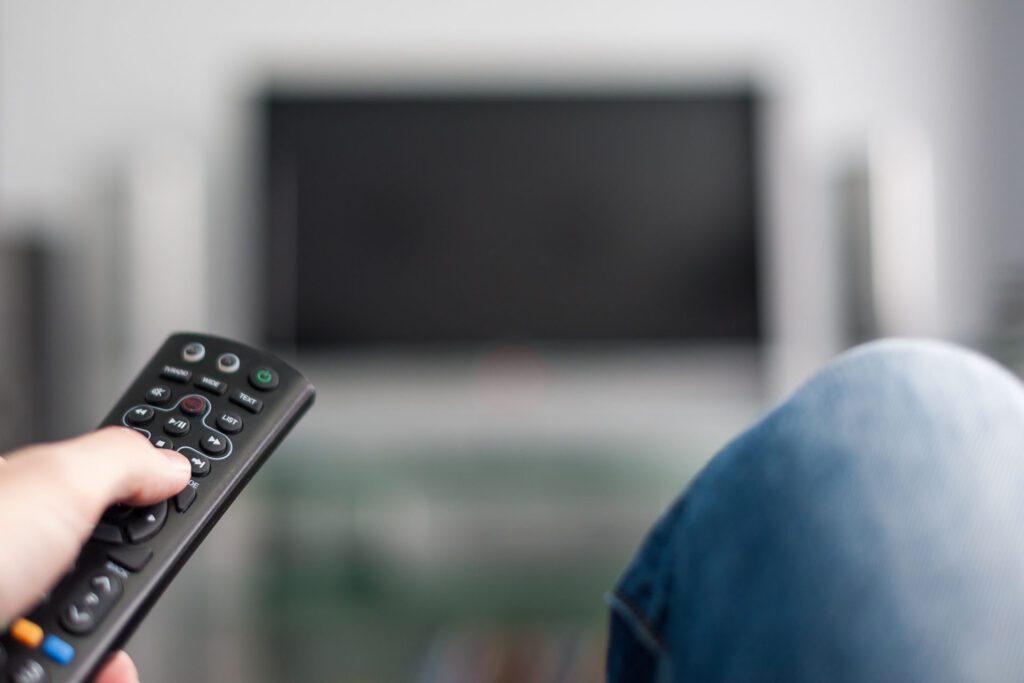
182,533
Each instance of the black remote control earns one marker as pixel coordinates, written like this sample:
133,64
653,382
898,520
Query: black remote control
226,407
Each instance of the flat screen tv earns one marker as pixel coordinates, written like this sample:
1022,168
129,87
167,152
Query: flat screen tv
425,219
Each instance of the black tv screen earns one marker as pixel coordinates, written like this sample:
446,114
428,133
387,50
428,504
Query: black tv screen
474,219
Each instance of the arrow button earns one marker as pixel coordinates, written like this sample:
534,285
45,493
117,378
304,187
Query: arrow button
90,603
77,620
146,522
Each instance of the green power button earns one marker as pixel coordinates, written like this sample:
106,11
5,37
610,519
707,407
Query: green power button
263,379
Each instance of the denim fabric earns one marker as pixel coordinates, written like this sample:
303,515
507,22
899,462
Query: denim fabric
870,528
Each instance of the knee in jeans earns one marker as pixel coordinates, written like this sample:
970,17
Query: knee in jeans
912,382
914,359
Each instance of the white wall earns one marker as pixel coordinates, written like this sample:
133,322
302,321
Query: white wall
83,84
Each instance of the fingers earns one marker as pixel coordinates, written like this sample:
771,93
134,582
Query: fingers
52,495
119,669
115,464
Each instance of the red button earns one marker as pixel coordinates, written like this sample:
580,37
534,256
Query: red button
193,405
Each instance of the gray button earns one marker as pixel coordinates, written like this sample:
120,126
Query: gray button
193,352
228,363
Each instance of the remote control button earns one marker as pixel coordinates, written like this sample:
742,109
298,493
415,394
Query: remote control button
77,620
176,426
139,415
228,363
146,522
247,401
58,650
117,512
183,501
213,444
214,386
158,395
132,558
229,423
263,379
176,374
107,533
29,671
200,465
91,603
193,352
106,585
193,405
26,632
162,442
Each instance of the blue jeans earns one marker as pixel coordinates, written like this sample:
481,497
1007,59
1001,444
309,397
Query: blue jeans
870,528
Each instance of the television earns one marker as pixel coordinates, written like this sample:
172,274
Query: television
428,219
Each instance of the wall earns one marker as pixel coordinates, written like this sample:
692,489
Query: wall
84,86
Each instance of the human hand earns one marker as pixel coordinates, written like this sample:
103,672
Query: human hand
51,497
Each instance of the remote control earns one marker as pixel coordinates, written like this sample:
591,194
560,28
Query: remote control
226,407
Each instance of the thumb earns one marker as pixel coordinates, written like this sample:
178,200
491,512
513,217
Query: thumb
52,495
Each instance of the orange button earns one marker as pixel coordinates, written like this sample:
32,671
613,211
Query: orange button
27,632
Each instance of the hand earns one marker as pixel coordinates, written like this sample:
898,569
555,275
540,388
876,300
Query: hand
51,497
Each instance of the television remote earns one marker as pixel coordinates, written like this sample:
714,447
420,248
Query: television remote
226,407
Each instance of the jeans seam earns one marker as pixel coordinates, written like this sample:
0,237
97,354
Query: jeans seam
640,625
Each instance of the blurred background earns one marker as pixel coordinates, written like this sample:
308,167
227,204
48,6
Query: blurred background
540,259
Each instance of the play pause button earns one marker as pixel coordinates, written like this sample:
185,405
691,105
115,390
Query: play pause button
213,444
176,426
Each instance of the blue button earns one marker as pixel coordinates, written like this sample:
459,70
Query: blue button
57,650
